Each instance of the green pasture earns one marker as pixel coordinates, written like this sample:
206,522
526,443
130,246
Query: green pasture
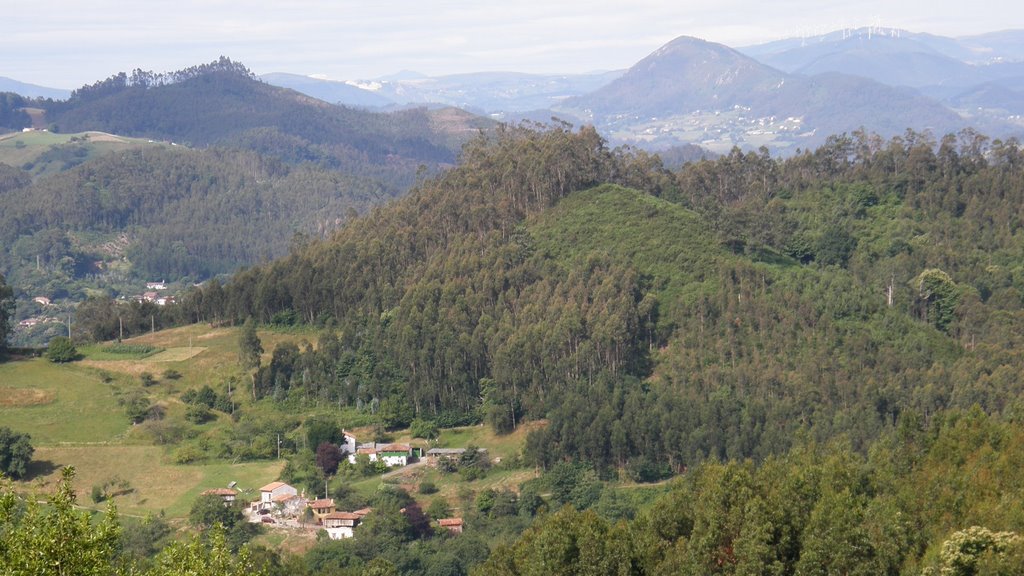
154,483
57,403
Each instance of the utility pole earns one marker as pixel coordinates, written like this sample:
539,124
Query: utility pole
278,445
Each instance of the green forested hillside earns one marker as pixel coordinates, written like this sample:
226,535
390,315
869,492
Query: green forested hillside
824,348
188,212
222,102
715,312
222,172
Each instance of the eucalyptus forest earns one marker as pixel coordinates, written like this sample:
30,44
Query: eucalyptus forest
808,365
821,347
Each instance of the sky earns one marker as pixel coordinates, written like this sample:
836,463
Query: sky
66,44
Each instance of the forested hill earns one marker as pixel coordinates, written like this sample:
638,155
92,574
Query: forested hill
657,318
223,103
194,173
182,212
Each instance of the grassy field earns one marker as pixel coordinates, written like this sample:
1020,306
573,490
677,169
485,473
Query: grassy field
498,446
59,403
74,418
37,147
154,483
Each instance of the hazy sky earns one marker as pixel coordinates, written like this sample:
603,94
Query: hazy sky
66,44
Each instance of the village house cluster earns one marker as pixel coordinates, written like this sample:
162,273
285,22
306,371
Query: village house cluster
281,505
152,294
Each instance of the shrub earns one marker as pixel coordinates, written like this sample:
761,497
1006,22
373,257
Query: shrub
439,508
425,429
61,350
198,414
427,487
188,454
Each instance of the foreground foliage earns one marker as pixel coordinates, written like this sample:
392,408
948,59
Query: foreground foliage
56,538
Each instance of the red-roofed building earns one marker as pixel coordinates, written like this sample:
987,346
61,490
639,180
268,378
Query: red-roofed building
395,454
321,508
270,492
226,494
341,524
453,525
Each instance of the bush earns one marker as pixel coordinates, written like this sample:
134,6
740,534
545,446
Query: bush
439,509
188,454
147,379
427,487
425,429
171,374
61,350
15,452
198,414
136,406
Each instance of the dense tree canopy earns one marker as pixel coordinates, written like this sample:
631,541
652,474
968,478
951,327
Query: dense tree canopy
6,311
715,312
15,452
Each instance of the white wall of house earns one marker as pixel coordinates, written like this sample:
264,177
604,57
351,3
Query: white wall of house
339,532
267,496
349,445
392,459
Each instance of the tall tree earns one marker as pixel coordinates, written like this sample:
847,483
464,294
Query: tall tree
6,311
15,452
249,346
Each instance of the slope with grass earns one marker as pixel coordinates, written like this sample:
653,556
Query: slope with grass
75,415
42,153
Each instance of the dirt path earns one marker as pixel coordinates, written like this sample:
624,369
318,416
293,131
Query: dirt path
406,468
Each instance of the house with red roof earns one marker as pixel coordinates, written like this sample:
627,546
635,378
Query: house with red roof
321,508
226,494
341,524
453,525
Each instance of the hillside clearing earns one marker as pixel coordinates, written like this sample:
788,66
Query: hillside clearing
71,403
153,484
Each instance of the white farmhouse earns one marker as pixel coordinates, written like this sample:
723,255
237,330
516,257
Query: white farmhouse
389,454
349,445
341,524
395,454
274,492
